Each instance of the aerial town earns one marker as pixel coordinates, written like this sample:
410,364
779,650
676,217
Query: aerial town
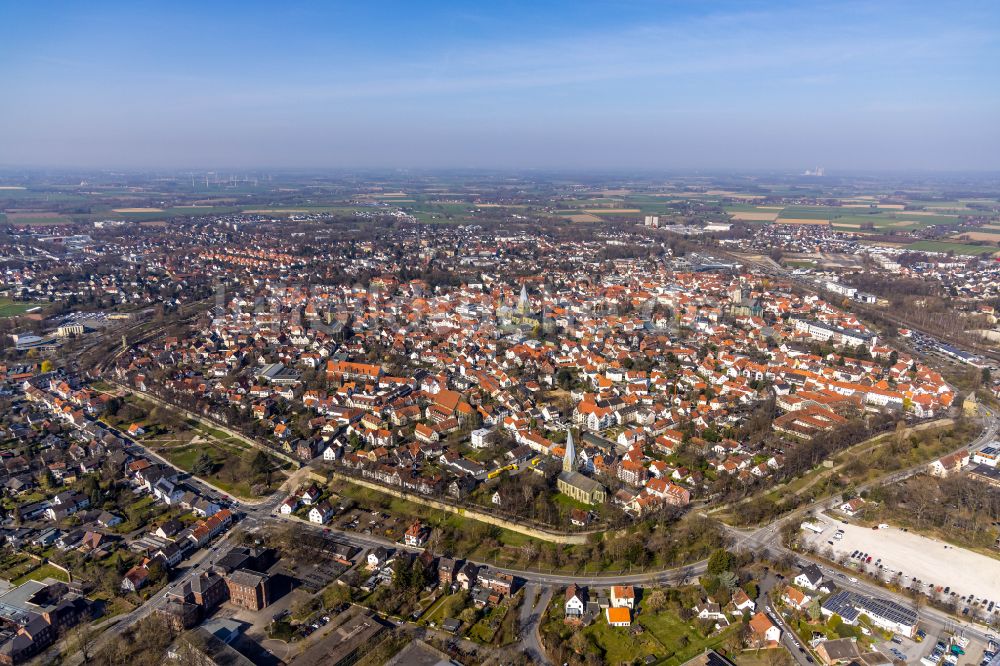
481,428
589,333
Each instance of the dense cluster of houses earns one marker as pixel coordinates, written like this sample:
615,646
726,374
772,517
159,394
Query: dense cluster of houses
402,381
85,446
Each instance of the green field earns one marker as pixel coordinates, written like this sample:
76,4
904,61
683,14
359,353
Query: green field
666,637
843,218
37,221
41,573
957,248
225,456
669,629
808,213
9,308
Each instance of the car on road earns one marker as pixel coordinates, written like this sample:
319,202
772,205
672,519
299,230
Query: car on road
853,579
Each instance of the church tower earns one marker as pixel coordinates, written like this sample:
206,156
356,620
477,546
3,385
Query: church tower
523,305
569,460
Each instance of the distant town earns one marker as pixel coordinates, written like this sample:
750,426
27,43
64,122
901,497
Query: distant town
479,418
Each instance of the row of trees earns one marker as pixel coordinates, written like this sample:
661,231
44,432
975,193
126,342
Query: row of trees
965,509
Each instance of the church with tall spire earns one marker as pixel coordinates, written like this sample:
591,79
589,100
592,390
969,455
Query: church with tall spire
569,460
573,483
523,304
521,314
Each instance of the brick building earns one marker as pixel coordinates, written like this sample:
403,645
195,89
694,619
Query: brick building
249,589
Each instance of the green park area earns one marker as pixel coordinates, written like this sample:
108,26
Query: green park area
659,633
11,308
209,453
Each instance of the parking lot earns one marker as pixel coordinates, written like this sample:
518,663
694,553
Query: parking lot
913,650
934,564
372,522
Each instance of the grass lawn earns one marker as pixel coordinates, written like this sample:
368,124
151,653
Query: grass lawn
570,503
776,657
224,457
41,573
449,605
174,444
9,308
620,646
485,630
15,565
182,456
115,606
672,632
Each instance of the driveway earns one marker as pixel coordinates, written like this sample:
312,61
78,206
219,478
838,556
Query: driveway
532,608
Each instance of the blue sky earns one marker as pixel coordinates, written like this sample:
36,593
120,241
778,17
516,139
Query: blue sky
627,84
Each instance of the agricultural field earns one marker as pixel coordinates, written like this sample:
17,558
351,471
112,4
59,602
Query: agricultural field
957,248
35,219
153,213
989,237
301,210
850,217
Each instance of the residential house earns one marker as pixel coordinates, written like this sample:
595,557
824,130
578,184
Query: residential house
619,616
763,632
321,513
796,598
810,577
575,603
623,596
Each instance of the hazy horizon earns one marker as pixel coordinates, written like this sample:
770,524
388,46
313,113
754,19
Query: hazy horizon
613,86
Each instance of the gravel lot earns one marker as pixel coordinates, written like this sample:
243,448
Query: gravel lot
929,560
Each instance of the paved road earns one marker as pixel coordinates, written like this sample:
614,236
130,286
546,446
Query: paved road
532,607
257,515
